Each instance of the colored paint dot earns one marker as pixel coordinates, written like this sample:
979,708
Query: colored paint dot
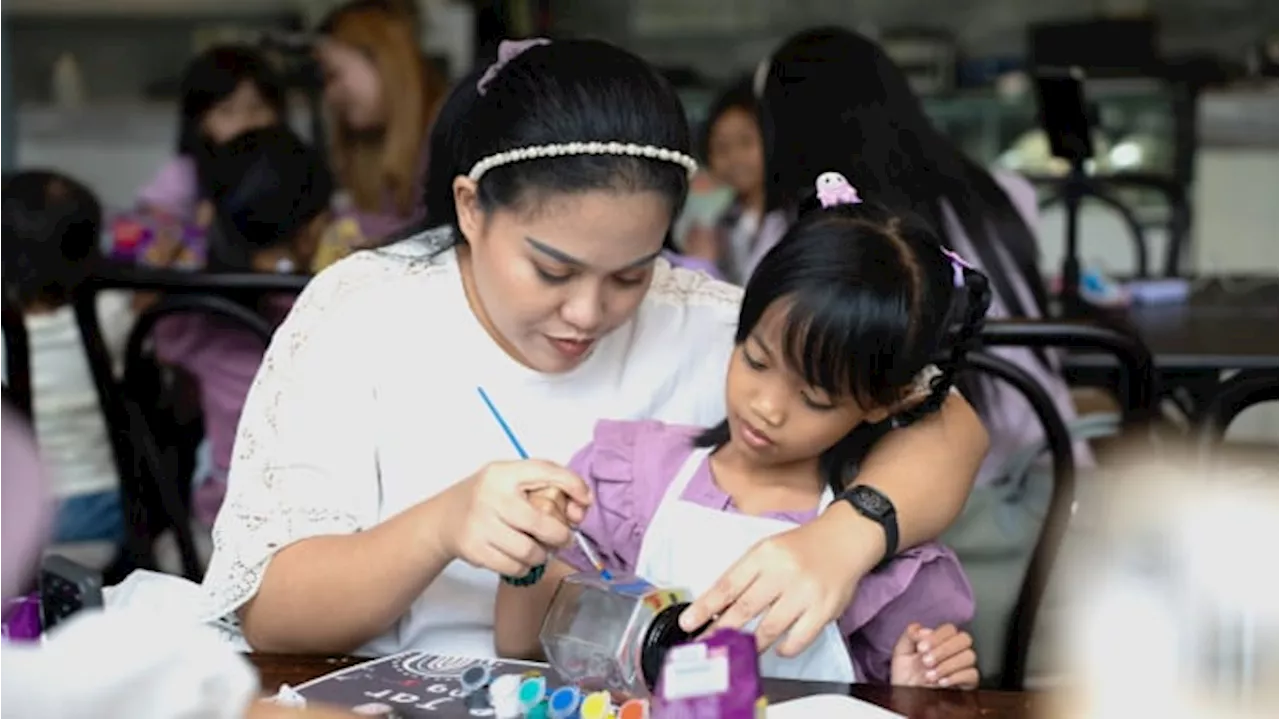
538,711
564,702
533,691
596,706
474,678
634,709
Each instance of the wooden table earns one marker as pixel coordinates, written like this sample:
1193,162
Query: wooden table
1226,324
277,669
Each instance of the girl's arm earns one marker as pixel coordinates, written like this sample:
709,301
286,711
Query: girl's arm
519,611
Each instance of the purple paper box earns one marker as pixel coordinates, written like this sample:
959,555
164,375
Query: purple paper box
22,619
713,678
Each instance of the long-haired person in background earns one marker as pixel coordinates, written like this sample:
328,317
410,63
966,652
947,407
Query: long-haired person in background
833,100
382,95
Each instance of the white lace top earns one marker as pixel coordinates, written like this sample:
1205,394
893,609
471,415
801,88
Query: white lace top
366,403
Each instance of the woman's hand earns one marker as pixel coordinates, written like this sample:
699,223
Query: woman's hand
941,657
499,516
797,581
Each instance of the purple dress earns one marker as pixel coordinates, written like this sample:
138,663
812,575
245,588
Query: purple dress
629,465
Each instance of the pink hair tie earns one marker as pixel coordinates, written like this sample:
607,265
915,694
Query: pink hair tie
834,189
508,50
958,266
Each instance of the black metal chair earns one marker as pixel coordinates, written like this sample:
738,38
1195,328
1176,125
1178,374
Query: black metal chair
155,489
1234,396
1138,380
1021,622
1138,391
1103,189
17,353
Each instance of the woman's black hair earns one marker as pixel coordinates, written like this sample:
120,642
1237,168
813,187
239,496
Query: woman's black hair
52,232
442,143
211,77
565,91
834,101
871,302
739,96
267,185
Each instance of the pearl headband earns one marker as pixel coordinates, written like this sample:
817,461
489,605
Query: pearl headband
538,152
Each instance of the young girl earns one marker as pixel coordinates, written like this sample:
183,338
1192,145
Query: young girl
838,325
272,195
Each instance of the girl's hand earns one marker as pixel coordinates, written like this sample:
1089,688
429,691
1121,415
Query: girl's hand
941,657
798,581
499,516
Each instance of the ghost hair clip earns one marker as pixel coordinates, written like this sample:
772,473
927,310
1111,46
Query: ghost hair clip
834,189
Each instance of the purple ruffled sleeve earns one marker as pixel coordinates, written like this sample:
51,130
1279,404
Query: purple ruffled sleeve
628,466
925,584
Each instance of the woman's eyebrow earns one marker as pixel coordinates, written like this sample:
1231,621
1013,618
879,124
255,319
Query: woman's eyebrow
568,259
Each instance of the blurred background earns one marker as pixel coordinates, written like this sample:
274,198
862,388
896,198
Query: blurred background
1183,91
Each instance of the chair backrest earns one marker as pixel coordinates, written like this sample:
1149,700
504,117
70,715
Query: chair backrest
17,358
1234,396
155,502
1022,620
1139,390
1136,231
1177,224
1138,396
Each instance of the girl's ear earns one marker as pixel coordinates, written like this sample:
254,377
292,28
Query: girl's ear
466,203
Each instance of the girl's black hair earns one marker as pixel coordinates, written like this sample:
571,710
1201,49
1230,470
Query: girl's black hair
266,186
871,301
52,232
834,100
565,91
211,77
739,96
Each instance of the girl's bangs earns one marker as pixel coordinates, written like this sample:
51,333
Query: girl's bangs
840,346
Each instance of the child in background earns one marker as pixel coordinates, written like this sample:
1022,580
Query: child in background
225,91
839,326
271,192
734,147
51,241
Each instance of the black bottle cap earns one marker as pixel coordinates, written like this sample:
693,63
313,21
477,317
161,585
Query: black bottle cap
664,632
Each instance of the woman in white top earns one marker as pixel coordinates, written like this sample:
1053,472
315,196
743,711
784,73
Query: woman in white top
366,462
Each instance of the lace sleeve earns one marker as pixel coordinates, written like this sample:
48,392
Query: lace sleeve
305,453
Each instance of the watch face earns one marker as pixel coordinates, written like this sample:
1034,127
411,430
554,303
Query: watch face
871,501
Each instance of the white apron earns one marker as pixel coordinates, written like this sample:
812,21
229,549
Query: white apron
690,546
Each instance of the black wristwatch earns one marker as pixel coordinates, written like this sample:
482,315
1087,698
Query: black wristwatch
872,504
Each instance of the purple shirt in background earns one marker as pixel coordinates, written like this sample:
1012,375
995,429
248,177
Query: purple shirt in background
223,357
692,263
629,466
1009,419
25,506
173,188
